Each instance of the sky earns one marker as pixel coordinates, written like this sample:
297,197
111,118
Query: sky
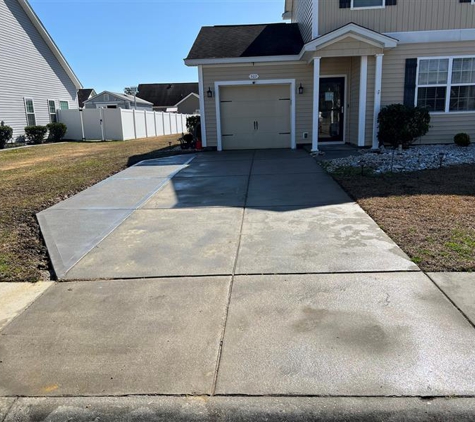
112,44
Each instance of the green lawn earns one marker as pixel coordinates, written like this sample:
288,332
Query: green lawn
33,179
429,214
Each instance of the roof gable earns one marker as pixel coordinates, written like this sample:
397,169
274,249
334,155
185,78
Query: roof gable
167,95
118,96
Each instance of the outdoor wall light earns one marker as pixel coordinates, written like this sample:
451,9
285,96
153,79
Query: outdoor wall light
300,89
209,93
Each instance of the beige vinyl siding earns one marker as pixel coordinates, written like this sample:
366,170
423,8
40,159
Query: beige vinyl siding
446,125
189,106
302,14
302,73
28,69
407,15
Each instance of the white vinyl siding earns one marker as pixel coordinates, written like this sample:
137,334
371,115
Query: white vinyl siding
52,111
30,112
28,69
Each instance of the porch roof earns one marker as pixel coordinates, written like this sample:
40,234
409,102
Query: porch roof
356,33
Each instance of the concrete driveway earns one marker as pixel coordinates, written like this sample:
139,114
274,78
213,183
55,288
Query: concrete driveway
230,213
246,274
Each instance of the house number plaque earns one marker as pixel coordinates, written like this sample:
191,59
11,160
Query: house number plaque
253,76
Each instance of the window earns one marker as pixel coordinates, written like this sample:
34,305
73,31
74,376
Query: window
30,112
52,111
64,105
446,84
360,4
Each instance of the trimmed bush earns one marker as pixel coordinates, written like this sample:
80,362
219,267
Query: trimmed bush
35,134
402,125
57,131
192,122
462,139
6,133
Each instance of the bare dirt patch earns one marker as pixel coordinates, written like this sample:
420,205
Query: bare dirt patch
429,214
33,179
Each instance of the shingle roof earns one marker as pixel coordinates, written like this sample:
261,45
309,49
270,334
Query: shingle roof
166,95
83,95
278,39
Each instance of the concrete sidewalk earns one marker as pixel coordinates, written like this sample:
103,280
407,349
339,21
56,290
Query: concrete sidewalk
235,296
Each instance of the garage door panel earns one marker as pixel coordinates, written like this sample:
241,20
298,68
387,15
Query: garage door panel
257,116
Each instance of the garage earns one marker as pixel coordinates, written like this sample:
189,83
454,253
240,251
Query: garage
255,117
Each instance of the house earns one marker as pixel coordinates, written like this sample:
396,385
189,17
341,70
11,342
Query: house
35,78
177,97
107,99
84,94
323,77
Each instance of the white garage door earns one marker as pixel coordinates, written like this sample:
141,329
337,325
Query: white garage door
255,116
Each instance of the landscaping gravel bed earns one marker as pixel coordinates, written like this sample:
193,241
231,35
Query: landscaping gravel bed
413,159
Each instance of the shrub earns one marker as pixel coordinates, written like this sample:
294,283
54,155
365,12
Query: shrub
57,131
6,133
462,139
192,122
35,134
402,125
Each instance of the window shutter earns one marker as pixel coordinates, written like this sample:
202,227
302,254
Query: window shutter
391,2
410,82
345,4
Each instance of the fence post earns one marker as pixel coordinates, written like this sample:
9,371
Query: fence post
81,120
135,126
146,128
155,122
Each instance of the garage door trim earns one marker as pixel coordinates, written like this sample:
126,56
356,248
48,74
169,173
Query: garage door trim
290,82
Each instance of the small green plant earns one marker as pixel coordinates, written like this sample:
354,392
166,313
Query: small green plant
462,139
192,122
35,134
57,131
402,125
6,133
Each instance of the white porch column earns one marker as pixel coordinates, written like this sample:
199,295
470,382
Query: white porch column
316,103
377,97
202,106
362,102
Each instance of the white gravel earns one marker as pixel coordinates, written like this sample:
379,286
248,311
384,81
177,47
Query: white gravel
413,159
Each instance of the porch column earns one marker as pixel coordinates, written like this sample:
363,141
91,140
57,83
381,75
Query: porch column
377,97
316,103
362,102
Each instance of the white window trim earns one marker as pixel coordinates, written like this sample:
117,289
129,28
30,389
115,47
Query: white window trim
25,99
49,111
383,6
64,101
448,85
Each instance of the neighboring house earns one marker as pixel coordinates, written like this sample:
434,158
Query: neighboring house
107,99
84,95
179,97
324,77
35,78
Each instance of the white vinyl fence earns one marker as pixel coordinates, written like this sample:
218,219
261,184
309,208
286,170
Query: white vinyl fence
119,124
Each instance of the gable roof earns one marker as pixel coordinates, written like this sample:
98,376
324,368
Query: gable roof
35,20
276,39
120,96
188,96
167,95
84,94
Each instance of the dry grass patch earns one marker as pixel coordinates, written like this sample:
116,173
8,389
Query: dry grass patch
429,214
33,179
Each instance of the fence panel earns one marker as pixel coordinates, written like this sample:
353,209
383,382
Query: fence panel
159,123
167,122
92,123
150,119
128,124
112,121
72,119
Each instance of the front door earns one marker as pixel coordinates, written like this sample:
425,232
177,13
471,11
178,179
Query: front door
332,108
